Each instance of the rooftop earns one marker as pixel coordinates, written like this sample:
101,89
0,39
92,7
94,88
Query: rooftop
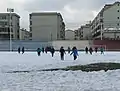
14,14
45,13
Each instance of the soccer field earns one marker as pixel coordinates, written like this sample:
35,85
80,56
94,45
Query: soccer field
56,80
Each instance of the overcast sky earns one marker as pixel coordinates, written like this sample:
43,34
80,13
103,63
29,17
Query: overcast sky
74,12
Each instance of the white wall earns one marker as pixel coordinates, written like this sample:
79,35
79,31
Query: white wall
44,27
79,44
86,32
15,21
110,17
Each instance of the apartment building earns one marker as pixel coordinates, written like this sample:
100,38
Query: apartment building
69,35
24,34
85,31
107,23
76,34
5,26
47,26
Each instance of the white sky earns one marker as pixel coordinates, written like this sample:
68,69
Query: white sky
74,12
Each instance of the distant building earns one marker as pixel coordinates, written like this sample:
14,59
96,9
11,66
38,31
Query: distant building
107,23
69,35
47,26
76,35
85,31
5,26
24,34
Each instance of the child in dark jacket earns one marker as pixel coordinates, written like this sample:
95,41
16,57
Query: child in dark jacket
52,51
62,52
38,51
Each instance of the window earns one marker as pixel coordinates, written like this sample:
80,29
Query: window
3,17
30,16
118,11
17,24
101,20
30,28
5,23
30,22
11,29
12,36
118,24
18,36
118,17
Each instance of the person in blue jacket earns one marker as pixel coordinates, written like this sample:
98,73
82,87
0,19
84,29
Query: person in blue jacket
75,53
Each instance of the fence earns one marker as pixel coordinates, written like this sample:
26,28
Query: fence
29,45
33,45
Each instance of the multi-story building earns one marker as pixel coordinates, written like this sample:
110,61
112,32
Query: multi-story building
5,26
85,31
69,35
107,23
24,34
76,34
47,26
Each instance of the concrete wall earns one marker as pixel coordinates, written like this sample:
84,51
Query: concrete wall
29,45
79,44
33,45
44,27
86,32
16,27
110,17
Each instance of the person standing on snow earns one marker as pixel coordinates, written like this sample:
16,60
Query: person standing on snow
75,53
38,51
19,50
102,50
62,52
69,50
96,49
23,50
52,51
86,50
43,49
46,50
91,50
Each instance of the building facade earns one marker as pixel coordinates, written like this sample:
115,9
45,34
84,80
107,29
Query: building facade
24,34
107,23
69,35
76,35
5,26
85,31
47,26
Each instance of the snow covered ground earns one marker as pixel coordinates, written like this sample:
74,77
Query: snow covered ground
56,80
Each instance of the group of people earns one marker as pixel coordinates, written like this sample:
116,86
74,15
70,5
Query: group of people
62,51
90,50
19,50
51,49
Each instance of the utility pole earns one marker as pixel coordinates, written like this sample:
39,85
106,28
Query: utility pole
101,31
10,10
